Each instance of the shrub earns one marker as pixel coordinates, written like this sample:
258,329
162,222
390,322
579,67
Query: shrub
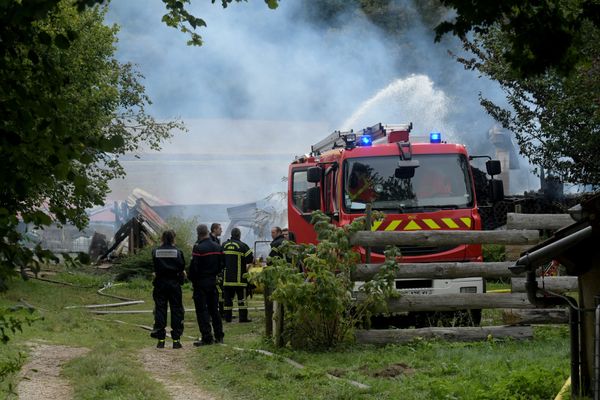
318,305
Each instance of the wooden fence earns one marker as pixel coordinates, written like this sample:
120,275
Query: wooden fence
523,231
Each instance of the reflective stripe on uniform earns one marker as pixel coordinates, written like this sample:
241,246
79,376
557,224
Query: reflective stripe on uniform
165,253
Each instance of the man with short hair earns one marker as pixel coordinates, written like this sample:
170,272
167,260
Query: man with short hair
207,262
278,238
215,236
215,232
169,273
237,256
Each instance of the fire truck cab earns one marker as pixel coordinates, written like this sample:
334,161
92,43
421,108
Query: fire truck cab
418,186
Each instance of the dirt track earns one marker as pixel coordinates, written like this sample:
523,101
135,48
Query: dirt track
40,377
168,367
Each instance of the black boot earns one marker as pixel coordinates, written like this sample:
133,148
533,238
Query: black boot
160,344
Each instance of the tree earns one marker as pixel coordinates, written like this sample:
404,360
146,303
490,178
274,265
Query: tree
538,35
556,119
69,110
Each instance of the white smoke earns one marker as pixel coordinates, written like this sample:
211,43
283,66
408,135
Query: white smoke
267,84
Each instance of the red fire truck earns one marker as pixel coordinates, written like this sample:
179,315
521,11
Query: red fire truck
418,186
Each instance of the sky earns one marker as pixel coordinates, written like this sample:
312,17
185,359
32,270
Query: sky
267,84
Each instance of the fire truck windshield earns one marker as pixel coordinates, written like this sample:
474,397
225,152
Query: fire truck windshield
440,181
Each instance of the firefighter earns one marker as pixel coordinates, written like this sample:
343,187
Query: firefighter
288,235
360,187
278,238
215,232
237,256
215,236
207,262
169,274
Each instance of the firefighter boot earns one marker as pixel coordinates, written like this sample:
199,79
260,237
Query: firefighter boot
160,344
177,344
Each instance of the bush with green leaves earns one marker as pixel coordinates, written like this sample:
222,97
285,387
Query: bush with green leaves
140,263
314,285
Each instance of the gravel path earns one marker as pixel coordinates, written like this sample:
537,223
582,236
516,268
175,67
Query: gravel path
40,377
168,367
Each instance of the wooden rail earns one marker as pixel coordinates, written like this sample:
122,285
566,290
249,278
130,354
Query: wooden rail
443,238
449,270
463,334
455,301
538,221
558,284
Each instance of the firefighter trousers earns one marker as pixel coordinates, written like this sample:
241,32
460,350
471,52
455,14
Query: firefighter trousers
229,293
167,293
206,301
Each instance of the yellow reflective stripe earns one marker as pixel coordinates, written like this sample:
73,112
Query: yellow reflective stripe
393,225
242,284
451,224
431,223
233,252
376,225
466,221
248,253
412,226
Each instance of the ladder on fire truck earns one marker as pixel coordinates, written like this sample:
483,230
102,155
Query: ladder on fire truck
350,138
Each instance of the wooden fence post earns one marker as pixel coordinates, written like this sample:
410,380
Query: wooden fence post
278,324
268,311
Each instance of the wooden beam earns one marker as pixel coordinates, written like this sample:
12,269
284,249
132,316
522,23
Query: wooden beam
535,316
457,334
448,270
559,284
538,221
457,301
443,238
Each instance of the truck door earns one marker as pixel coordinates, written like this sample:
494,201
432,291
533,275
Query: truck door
330,192
298,213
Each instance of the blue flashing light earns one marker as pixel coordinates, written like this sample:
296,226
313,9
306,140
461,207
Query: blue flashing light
435,137
365,140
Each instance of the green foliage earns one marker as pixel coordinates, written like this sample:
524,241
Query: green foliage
12,320
319,309
106,374
494,252
69,111
539,35
139,265
555,119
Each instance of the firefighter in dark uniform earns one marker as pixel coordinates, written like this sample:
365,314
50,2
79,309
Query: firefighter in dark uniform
278,238
215,235
237,256
169,274
207,262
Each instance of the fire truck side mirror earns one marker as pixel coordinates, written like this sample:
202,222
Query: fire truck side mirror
493,167
496,190
313,175
313,199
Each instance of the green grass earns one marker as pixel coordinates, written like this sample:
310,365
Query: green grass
109,374
488,370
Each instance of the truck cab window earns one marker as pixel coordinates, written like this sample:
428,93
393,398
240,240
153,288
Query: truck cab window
299,188
330,191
